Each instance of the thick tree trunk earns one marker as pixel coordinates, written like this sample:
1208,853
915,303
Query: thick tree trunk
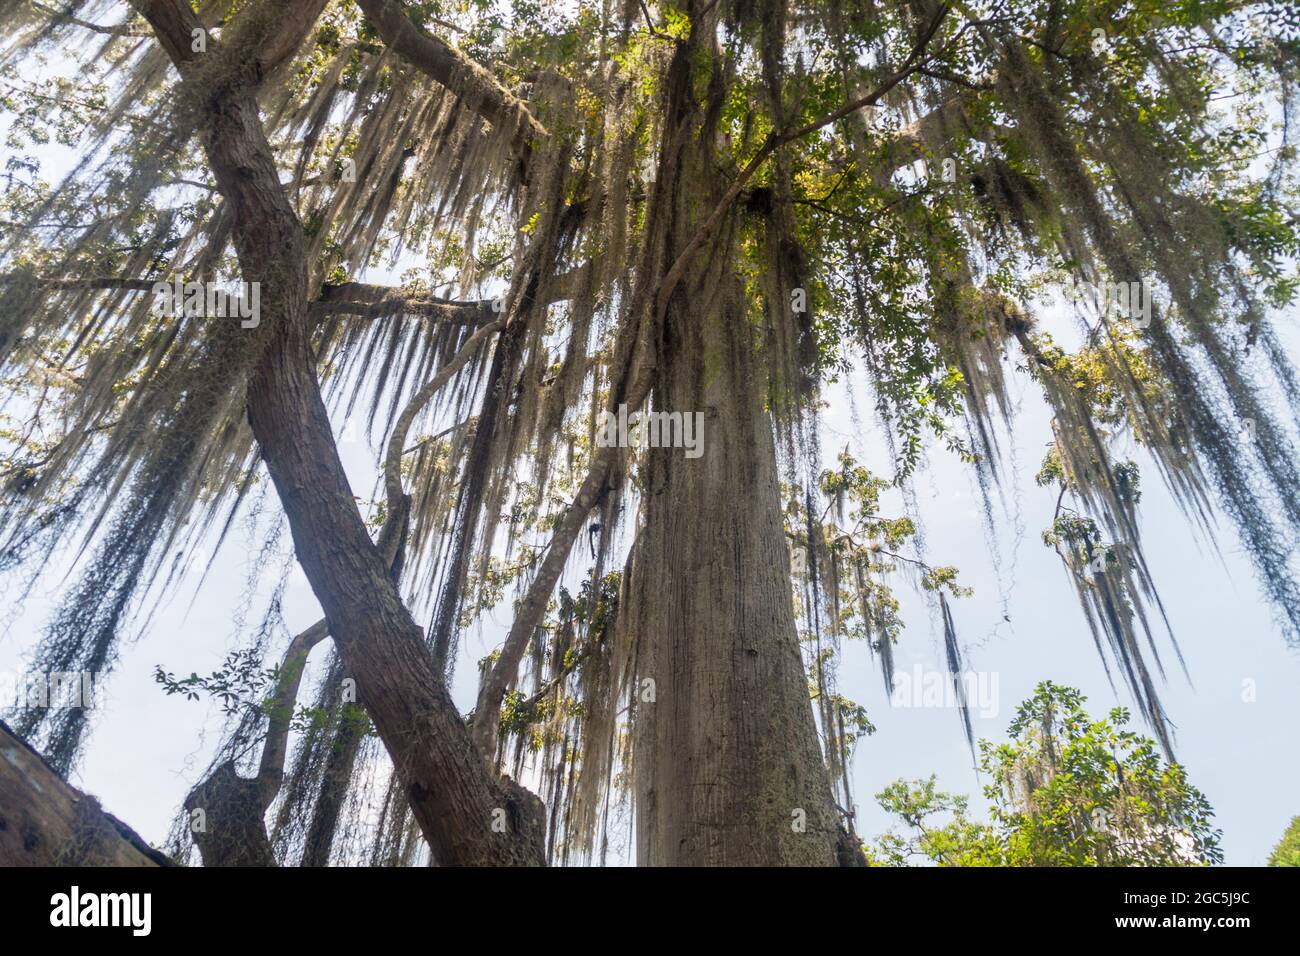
46,822
728,770
728,767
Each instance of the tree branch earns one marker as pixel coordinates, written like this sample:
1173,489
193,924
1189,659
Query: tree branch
456,71
529,612
270,771
381,301
377,301
59,17
397,439
265,37
174,25
50,823
99,282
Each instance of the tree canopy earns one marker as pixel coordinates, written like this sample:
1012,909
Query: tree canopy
715,205
1065,790
1287,851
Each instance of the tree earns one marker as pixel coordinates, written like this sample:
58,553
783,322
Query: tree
1065,791
1287,851
698,209
957,842
48,823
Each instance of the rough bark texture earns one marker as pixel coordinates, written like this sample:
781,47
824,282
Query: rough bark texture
445,64
449,789
458,802
46,822
230,831
727,766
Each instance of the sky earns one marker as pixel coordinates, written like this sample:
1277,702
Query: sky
1234,717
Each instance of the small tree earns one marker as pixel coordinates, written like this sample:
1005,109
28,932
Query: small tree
1287,851
1066,791
959,842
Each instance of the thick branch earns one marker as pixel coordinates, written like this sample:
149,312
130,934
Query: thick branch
263,38
46,822
448,66
377,301
174,25
529,612
252,46
270,772
382,301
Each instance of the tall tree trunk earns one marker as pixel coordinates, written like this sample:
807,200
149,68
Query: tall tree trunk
466,813
728,770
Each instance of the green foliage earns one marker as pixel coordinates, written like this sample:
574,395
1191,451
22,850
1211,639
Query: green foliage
239,682
1287,851
957,842
242,686
1066,790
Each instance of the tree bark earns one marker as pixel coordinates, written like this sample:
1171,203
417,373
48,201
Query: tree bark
727,766
231,831
467,814
464,814
46,822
